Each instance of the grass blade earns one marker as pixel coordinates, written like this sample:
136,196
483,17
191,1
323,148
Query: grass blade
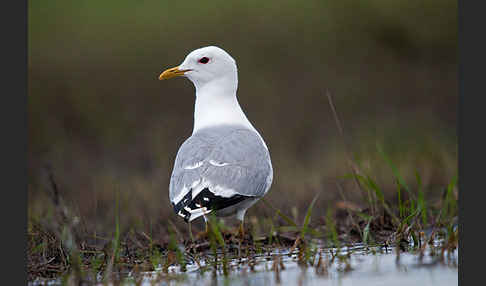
421,204
394,170
366,231
279,213
308,217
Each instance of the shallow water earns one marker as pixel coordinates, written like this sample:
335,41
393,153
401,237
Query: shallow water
355,265
365,267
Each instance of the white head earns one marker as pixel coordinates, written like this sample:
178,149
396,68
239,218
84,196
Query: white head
207,67
215,76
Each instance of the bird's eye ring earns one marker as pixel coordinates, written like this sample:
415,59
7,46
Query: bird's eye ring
204,60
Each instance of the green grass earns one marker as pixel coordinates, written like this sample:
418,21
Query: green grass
92,111
408,208
409,226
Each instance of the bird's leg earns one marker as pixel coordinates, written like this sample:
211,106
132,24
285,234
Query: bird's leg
240,215
241,231
241,235
190,232
205,233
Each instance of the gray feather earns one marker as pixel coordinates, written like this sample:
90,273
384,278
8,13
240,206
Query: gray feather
228,156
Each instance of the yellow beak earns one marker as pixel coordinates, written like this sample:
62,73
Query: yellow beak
172,72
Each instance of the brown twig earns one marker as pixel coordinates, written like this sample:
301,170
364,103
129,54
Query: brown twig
353,222
351,164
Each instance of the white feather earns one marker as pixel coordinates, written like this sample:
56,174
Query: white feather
215,189
194,166
214,163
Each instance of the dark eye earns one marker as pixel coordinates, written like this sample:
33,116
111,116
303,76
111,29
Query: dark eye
204,60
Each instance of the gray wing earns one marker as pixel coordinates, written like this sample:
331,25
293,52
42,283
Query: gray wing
228,161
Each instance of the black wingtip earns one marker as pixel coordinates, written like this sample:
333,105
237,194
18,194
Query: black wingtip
206,199
179,208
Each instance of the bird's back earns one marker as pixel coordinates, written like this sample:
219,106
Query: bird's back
218,167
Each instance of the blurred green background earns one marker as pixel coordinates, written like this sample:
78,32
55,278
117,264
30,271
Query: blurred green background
104,123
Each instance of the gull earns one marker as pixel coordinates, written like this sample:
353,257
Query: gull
224,167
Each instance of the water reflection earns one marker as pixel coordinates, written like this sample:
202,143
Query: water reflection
354,265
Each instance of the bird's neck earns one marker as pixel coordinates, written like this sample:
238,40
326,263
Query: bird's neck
216,104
